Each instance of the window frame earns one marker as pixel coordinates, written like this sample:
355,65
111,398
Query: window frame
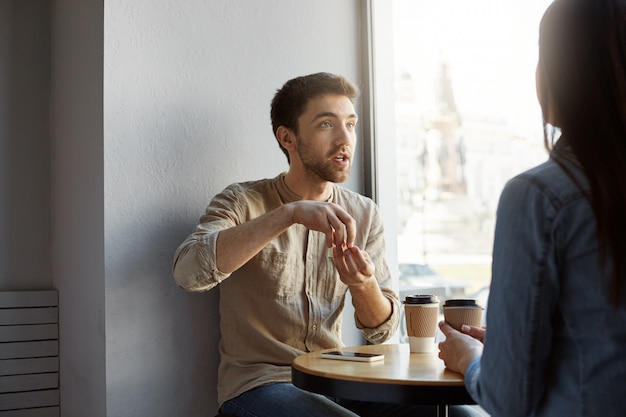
378,119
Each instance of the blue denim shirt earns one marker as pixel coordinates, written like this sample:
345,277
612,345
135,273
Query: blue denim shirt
555,346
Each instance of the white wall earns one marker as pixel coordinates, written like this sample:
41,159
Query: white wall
187,88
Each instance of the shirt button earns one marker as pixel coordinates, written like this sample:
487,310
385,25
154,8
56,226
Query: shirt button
314,327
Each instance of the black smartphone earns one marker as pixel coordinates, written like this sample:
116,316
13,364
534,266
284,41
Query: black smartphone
352,356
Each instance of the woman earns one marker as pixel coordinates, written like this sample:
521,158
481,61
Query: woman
557,306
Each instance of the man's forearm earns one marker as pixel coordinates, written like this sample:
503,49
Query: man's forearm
237,245
371,306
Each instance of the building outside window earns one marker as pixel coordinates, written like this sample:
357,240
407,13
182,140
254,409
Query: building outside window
466,120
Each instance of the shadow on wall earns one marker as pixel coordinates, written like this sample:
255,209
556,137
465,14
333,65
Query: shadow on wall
196,327
162,342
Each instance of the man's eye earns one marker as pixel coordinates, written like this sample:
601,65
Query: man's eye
326,124
351,125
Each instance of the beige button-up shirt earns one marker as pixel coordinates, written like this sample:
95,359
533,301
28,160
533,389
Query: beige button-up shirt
288,299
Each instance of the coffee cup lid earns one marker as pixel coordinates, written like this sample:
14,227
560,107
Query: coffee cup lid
461,303
421,299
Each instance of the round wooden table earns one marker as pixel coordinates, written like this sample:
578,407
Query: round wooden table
401,377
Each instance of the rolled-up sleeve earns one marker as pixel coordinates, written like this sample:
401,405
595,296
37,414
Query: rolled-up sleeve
195,266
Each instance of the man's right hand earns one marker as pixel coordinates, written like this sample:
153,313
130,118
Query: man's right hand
328,218
238,244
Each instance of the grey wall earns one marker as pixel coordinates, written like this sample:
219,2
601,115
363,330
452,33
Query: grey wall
24,144
118,121
77,205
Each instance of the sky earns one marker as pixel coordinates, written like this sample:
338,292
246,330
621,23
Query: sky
490,45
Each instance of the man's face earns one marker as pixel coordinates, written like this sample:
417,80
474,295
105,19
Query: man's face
327,136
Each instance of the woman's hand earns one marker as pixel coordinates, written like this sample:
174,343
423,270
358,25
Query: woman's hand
459,349
477,333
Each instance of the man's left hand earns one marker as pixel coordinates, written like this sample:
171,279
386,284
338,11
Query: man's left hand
353,264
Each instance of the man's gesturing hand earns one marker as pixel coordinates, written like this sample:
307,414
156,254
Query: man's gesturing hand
354,265
328,218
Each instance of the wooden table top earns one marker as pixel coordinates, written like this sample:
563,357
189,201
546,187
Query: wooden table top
401,377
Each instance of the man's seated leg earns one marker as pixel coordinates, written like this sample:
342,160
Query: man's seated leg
283,400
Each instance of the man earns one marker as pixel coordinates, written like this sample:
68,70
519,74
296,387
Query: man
286,250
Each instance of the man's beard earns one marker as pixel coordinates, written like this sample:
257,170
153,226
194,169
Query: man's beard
323,168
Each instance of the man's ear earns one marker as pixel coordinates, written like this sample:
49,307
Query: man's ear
286,137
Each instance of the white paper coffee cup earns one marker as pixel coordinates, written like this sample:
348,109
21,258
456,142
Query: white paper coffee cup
421,316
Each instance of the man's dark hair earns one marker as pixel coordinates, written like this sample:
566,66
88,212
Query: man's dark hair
291,100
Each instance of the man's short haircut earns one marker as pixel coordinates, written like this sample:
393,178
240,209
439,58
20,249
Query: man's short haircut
292,99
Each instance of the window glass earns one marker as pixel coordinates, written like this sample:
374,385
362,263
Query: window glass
467,120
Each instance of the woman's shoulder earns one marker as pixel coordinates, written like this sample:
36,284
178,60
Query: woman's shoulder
558,180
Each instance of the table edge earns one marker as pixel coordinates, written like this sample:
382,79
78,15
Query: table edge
381,392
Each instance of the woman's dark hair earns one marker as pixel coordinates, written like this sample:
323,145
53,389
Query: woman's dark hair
582,91
291,100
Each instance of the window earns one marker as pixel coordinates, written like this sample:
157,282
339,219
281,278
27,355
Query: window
466,120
